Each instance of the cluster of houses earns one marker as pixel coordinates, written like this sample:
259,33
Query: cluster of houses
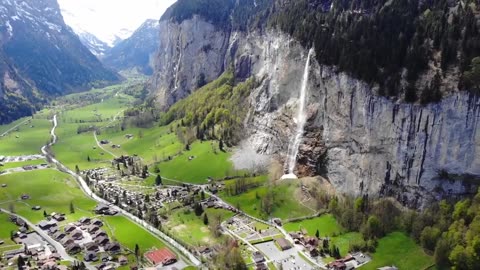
34,249
310,243
84,235
349,262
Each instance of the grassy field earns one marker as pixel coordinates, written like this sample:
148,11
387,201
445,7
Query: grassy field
284,207
185,225
6,227
400,250
128,234
326,225
27,140
205,164
344,241
50,189
10,165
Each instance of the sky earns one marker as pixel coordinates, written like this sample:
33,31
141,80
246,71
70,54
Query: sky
107,18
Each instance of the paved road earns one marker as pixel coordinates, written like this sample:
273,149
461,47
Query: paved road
59,248
86,189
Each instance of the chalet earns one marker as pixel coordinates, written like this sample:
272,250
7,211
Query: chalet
312,251
53,230
104,142
55,256
258,257
99,233
360,258
283,243
66,241
69,228
25,197
85,220
97,222
59,217
36,207
59,235
122,260
102,240
2,242
101,209
337,265
73,248
46,225
90,257
91,247
93,229
77,234
12,253
261,266
113,247
161,257
22,230
312,241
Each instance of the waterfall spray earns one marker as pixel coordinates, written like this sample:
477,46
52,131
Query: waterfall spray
300,119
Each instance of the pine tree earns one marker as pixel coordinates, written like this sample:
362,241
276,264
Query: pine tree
88,158
220,145
205,219
317,234
202,195
158,180
77,170
137,251
72,208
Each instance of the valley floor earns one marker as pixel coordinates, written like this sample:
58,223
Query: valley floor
191,197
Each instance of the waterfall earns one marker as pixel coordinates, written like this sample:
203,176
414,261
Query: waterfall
300,120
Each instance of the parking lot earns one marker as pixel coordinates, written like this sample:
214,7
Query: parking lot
288,258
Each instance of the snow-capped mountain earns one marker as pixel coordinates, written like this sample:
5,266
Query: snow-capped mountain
39,51
77,22
137,50
95,45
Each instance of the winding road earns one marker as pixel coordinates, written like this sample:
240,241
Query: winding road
86,189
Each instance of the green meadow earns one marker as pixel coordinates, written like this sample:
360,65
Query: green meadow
190,228
27,140
284,207
50,189
10,165
326,225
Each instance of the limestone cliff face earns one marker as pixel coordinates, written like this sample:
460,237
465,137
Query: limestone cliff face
361,142
189,52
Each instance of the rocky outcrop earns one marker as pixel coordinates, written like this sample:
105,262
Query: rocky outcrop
190,53
361,142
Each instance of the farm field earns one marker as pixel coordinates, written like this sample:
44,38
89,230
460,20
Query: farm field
27,140
190,228
400,250
325,224
284,207
50,189
128,233
10,165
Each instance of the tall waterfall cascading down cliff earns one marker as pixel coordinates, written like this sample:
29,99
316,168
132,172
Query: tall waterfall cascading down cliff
300,121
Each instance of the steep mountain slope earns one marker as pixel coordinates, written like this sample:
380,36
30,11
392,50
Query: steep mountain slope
95,45
38,51
360,140
135,51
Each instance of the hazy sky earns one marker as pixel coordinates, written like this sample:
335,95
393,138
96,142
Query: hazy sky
105,18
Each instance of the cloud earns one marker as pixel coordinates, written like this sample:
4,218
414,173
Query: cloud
105,18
